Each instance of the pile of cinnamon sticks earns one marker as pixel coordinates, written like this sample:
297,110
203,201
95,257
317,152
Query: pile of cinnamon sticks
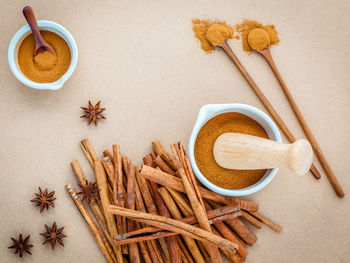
159,213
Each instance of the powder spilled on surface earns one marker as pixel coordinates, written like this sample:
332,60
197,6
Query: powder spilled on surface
246,26
203,150
200,28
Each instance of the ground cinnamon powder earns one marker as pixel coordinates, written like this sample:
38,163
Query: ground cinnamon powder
246,26
200,28
211,33
203,150
44,67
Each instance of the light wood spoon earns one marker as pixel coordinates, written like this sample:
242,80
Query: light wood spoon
264,100
40,43
247,152
317,149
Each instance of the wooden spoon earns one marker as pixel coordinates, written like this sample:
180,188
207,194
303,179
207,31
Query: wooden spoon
247,152
40,43
317,149
264,100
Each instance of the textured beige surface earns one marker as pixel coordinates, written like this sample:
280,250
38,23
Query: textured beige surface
141,59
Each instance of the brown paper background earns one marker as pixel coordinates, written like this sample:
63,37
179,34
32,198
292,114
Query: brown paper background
141,59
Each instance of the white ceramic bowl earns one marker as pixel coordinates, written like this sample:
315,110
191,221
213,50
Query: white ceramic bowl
209,111
16,42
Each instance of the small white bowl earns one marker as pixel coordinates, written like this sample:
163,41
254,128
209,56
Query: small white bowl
209,111
16,42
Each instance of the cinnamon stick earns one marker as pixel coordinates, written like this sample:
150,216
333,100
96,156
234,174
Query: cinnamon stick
150,206
251,219
147,160
267,222
159,150
191,244
90,222
150,233
195,198
239,227
172,242
133,248
174,226
88,151
82,180
227,233
186,257
175,183
153,247
94,207
181,201
232,257
103,187
158,161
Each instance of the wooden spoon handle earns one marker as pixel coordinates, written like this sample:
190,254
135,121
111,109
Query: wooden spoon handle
245,152
40,43
317,149
28,13
264,100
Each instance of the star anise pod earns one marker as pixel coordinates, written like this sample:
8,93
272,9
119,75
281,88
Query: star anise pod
21,245
53,235
93,113
44,199
89,191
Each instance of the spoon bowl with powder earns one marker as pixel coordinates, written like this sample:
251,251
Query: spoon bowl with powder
259,41
41,46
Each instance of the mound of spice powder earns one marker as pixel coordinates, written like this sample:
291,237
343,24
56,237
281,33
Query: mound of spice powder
200,28
247,26
203,150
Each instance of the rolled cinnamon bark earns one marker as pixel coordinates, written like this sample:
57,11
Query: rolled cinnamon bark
191,244
251,219
267,222
175,226
133,248
239,227
150,243
172,242
159,150
195,198
175,183
88,151
227,233
90,222
158,161
103,187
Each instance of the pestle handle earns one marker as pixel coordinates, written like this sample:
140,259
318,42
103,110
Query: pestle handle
247,152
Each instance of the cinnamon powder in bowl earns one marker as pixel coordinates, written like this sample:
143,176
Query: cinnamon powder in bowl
203,150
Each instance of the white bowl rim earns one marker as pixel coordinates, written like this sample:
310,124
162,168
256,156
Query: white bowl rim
42,86
215,109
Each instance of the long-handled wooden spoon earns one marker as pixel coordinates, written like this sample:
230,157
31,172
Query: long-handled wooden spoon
247,152
40,43
318,152
264,100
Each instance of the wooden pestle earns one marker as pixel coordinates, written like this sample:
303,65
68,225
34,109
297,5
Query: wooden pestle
247,152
